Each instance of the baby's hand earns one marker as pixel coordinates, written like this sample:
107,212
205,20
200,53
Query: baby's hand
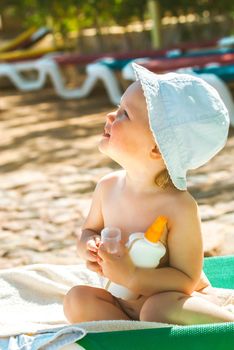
119,267
92,246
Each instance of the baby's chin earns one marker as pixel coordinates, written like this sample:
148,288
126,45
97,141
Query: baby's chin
104,150
107,152
102,147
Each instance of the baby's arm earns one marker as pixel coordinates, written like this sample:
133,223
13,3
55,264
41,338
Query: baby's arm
88,239
185,256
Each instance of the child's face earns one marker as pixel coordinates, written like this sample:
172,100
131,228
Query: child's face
127,136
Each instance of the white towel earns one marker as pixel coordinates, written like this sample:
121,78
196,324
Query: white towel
31,299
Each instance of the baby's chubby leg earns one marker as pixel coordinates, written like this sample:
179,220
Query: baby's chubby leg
86,303
179,308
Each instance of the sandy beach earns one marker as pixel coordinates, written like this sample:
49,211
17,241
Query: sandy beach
49,166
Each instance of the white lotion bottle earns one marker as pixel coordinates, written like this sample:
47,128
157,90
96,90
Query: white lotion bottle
146,251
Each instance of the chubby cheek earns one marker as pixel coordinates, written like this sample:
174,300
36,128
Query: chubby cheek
122,139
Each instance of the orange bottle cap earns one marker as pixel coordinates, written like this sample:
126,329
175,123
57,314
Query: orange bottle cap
155,231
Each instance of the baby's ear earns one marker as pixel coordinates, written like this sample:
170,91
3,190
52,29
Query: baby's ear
155,153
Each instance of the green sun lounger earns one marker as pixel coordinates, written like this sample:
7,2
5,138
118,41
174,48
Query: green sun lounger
219,336
226,73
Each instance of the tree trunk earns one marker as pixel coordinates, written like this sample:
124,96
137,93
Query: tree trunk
154,10
99,37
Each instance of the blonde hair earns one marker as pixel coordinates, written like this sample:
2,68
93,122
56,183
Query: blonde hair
163,179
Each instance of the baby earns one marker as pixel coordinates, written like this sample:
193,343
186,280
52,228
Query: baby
165,125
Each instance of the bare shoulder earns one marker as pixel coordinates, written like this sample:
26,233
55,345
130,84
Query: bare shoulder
111,180
186,200
182,204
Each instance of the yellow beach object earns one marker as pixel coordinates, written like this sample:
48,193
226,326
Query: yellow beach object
18,55
13,44
155,231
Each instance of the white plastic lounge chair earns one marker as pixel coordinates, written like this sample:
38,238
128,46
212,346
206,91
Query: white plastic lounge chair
47,67
13,72
226,41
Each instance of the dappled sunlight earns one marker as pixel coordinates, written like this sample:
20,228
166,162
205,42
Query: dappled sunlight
49,167
45,133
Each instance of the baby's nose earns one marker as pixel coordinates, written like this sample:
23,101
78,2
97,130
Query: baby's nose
110,117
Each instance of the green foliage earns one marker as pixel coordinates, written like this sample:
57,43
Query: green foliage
124,11
73,15
198,6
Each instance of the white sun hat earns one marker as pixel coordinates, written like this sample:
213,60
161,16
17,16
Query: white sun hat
187,117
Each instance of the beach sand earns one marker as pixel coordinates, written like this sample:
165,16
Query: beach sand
49,166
